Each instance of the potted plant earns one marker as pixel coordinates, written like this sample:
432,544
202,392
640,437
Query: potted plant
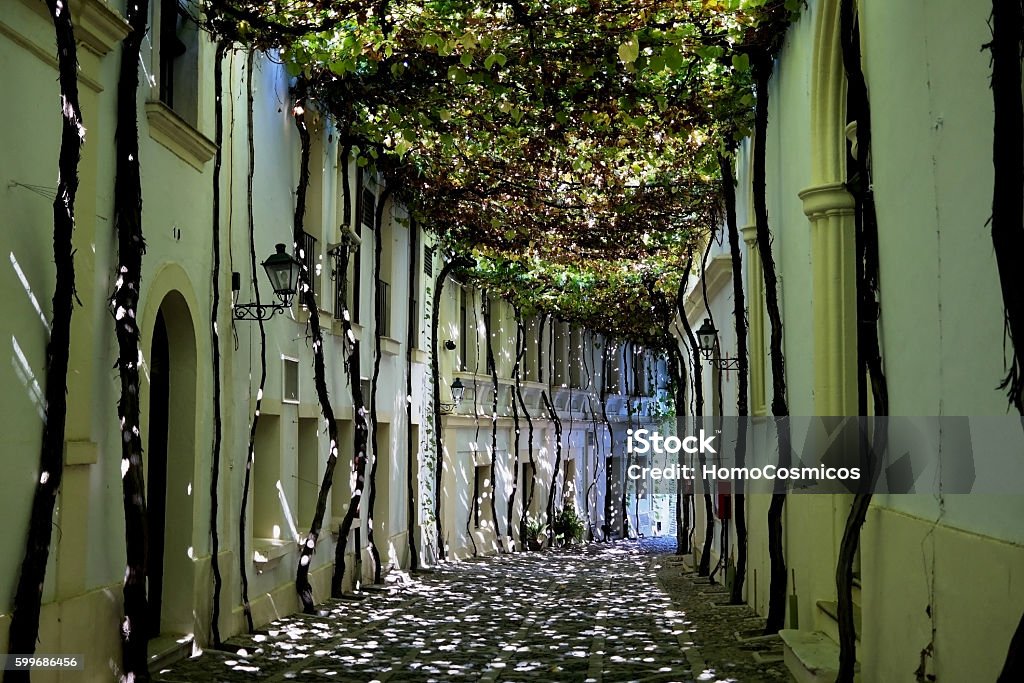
536,532
568,526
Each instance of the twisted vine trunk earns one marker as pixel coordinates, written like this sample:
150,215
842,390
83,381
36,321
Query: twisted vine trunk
516,400
410,343
716,410
704,566
607,526
553,416
378,243
473,516
218,88
593,425
528,501
125,303
1008,219
360,433
352,370
243,560
762,68
492,365
435,376
529,423
308,298
742,408
868,309
677,369
24,627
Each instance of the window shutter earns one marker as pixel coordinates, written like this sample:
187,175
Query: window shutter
369,208
428,261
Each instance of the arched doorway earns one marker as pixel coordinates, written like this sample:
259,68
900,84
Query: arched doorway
170,467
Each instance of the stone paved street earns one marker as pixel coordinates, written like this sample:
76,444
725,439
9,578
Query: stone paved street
592,614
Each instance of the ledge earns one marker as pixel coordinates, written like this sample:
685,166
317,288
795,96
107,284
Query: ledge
749,233
174,133
267,552
717,275
98,26
390,346
420,356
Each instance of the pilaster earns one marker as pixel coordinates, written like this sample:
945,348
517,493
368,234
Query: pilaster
755,317
830,208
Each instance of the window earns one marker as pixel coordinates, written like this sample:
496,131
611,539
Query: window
414,287
354,292
356,259
368,208
340,271
290,383
178,60
428,261
561,344
383,308
463,332
494,325
344,477
482,497
308,483
267,519
611,369
638,373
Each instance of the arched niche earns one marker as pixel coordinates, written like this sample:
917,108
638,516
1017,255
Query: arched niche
170,394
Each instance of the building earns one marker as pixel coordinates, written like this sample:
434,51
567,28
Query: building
177,105
939,579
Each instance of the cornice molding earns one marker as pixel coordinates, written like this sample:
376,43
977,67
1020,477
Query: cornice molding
98,26
717,275
174,133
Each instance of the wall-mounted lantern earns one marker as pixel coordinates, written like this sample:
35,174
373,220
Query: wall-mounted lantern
707,340
283,272
458,390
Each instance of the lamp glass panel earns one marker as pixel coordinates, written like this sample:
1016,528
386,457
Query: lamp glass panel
280,276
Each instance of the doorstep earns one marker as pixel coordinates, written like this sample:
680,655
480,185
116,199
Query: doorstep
168,648
810,656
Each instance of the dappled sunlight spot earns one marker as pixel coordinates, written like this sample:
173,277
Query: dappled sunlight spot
28,291
287,510
28,378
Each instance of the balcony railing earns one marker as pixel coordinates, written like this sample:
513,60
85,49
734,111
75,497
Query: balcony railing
383,308
308,258
340,266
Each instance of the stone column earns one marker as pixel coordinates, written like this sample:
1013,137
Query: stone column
830,209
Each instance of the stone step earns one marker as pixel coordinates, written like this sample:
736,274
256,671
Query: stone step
810,656
827,619
165,650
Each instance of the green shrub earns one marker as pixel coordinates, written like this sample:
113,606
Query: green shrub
567,525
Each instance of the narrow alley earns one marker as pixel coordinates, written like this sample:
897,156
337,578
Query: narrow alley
600,613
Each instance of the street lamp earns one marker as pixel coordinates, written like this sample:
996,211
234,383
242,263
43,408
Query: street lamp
458,390
283,272
707,340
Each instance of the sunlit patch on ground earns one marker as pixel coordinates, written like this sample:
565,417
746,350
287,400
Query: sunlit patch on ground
591,614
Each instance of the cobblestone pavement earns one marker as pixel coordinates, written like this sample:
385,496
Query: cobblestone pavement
600,613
